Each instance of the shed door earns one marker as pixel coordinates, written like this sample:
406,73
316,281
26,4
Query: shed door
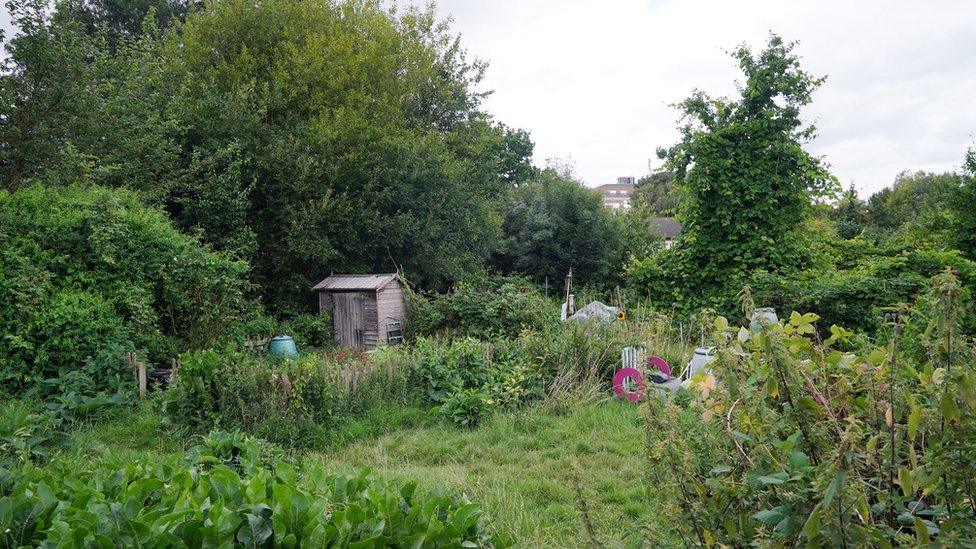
349,319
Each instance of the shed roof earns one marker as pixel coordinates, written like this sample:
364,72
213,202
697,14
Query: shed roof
353,282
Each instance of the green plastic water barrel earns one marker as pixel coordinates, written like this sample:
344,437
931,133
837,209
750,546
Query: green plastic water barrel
283,346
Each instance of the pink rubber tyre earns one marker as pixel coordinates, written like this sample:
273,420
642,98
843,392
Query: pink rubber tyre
622,391
660,364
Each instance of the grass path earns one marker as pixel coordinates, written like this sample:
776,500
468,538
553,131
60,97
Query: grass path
523,467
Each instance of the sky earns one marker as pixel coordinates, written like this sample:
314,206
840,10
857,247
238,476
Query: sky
593,81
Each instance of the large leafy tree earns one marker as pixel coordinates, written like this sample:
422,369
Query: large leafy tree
849,214
119,19
554,223
74,112
344,137
746,179
306,137
915,209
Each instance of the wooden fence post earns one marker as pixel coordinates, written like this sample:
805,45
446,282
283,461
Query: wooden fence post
143,390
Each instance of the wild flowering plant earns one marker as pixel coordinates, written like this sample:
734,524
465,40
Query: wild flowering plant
817,441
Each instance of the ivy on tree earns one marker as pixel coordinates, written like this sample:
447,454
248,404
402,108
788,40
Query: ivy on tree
746,179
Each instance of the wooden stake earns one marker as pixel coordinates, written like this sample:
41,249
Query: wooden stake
143,390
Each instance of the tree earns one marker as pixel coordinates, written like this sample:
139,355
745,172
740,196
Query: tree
343,137
964,207
658,193
554,223
305,137
917,202
849,214
746,181
74,112
119,19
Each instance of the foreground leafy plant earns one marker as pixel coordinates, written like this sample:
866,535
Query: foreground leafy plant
179,502
818,442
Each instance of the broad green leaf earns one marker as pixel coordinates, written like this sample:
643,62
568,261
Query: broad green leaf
950,411
905,481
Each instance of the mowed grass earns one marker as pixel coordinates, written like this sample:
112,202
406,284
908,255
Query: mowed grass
524,467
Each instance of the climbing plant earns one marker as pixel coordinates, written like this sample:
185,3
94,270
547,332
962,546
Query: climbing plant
746,178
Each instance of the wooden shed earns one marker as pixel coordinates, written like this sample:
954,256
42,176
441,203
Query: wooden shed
367,309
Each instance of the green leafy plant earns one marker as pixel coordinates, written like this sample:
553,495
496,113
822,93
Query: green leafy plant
466,407
26,435
219,501
798,439
88,274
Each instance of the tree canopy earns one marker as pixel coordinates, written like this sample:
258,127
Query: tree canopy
553,223
747,182
306,138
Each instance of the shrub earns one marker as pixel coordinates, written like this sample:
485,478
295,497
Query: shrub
229,491
465,407
298,402
468,378
26,435
825,443
85,271
485,307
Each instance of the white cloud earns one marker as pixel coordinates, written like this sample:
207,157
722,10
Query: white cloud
593,79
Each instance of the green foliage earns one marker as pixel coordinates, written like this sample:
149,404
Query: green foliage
88,274
916,203
311,397
746,181
26,435
657,193
962,205
250,500
481,306
465,407
351,136
554,223
387,158
853,293
123,18
468,378
825,443
850,214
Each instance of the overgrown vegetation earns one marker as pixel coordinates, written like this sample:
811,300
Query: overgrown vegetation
176,175
232,490
827,442
89,274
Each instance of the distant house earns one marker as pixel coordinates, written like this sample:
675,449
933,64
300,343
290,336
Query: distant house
667,227
616,196
367,309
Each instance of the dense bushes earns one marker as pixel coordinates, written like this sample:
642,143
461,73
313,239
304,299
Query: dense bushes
854,296
230,490
482,306
311,401
826,443
295,402
86,274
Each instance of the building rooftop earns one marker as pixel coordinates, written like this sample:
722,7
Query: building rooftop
353,282
668,227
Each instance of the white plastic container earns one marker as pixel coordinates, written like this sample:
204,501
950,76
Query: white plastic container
701,357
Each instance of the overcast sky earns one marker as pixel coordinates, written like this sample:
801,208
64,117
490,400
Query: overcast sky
593,80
